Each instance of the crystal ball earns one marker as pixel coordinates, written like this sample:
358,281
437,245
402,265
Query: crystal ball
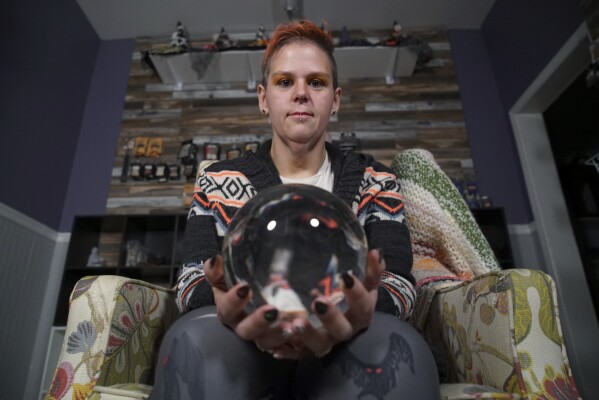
291,243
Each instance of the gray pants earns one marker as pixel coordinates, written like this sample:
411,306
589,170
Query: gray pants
202,359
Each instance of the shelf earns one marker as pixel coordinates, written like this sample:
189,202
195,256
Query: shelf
96,231
245,65
159,235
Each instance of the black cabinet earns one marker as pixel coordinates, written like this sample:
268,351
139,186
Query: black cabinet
145,247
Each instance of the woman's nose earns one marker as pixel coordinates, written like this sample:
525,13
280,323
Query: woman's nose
301,95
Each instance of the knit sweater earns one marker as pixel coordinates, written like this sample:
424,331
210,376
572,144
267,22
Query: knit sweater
368,187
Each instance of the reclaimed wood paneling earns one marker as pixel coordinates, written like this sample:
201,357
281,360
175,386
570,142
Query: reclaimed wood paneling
423,110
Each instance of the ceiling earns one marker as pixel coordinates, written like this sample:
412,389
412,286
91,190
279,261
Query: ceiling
124,19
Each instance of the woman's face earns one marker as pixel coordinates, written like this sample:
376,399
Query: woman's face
299,96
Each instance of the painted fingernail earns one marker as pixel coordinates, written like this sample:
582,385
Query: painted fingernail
271,315
348,280
287,333
299,329
210,262
320,307
381,255
243,291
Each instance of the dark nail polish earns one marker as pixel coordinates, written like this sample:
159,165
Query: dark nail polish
210,262
243,291
320,307
381,255
271,315
348,280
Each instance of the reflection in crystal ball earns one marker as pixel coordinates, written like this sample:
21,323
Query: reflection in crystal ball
291,243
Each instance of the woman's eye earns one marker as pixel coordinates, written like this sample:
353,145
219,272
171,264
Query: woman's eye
316,83
284,82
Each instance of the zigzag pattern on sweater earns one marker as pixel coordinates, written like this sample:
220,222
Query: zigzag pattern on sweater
378,198
221,194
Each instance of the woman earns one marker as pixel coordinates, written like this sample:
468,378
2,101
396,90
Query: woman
216,349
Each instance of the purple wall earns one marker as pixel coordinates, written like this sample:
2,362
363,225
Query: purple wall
90,176
523,36
494,67
493,149
52,103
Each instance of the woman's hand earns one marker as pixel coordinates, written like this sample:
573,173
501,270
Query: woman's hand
262,326
292,339
337,326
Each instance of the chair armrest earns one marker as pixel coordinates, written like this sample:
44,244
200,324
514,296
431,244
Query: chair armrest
502,330
113,331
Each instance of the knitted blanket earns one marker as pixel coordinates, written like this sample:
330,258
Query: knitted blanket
447,244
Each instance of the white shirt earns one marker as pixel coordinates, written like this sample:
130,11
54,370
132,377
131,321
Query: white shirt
323,179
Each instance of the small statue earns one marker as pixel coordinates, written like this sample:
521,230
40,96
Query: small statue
223,41
94,259
179,38
396,35
261,38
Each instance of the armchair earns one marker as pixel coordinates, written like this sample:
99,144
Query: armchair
498,330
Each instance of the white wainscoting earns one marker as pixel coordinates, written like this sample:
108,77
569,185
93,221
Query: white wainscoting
526,247
32,259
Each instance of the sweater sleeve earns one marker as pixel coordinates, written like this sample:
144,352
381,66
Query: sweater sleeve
200,243
219,192
380,209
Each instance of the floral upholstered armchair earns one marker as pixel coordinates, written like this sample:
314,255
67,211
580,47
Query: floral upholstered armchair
498,330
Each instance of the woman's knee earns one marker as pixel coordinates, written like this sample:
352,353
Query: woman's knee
388,359
202,358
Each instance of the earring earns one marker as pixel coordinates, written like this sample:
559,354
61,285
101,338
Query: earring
334,112
263,111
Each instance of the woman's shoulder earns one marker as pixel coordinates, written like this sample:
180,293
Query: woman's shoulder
367,161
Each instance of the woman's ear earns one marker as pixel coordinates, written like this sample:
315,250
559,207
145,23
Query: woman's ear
337,101
262,100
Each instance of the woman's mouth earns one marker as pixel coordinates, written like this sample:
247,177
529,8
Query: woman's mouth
300,116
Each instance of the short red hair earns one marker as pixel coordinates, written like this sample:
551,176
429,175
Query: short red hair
293,31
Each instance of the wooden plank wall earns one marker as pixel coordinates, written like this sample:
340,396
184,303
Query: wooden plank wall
423,111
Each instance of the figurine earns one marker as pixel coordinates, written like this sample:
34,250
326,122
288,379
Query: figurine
179,38
396,35
261,38
223,41
94,259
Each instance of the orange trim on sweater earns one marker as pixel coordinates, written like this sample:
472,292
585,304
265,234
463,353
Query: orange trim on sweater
194,284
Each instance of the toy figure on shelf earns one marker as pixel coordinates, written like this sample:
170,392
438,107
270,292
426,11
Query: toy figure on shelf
223,41
395,36
180,39
94,259
416,45
261,39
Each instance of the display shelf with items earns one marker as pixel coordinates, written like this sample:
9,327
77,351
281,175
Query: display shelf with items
144,247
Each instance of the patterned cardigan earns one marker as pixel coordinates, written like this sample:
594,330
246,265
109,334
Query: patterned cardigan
367,186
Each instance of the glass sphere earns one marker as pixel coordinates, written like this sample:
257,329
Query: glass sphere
291,243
